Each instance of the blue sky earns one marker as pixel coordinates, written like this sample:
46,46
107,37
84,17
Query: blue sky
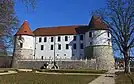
58,12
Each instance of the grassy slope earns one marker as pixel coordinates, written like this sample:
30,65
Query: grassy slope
33,78
123,78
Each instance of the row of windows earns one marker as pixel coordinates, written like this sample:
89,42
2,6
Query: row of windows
59,38
90,34
42,57
67,46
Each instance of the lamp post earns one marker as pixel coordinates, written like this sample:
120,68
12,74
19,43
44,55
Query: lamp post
54,50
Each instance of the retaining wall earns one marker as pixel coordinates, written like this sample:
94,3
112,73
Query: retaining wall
72,64
5,61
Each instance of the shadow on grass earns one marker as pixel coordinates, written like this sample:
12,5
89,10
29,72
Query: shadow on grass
33,78
123,78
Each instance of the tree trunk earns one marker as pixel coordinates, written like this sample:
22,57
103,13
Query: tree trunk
127,63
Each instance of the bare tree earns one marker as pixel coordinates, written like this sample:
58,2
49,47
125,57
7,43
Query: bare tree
8,24
29,3
119,17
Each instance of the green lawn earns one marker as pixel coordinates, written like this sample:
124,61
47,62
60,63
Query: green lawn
34,78
123,78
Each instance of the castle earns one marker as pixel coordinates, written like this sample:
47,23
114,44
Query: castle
78,42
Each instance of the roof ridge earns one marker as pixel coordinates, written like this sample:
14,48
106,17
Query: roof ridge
62,26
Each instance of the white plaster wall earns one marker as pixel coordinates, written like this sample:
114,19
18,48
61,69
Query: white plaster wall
87,39
100,37
28,42
78,53
27,50
47,53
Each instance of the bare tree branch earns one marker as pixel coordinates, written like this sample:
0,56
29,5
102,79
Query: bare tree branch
119,16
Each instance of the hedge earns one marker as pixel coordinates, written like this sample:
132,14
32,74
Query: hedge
73,71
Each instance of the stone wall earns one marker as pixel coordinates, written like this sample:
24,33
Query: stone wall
5,61
72,64
104,57
21,54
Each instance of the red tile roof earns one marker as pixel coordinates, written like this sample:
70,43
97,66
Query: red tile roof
25,29
61,30
97,23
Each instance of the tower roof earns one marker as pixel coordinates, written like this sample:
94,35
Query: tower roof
24,29
97,23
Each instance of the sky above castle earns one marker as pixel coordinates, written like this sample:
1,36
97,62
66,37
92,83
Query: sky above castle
58,12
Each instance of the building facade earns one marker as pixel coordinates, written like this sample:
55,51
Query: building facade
91,41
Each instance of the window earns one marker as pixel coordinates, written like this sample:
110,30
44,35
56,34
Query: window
90,43
81,54
42,47
40,39
72,54
74,46
108,34
108,42
59,46
58,38
81,37
67,46
42,57
74,38
64,54
21,45
25,31
66,38
81,45
20,37
45,39
52,39
90,34
52,47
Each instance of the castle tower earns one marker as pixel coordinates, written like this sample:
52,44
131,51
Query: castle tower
24,44
99,45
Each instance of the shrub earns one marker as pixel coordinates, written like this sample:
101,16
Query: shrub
3,71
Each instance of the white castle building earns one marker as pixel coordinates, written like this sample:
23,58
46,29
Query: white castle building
77,42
